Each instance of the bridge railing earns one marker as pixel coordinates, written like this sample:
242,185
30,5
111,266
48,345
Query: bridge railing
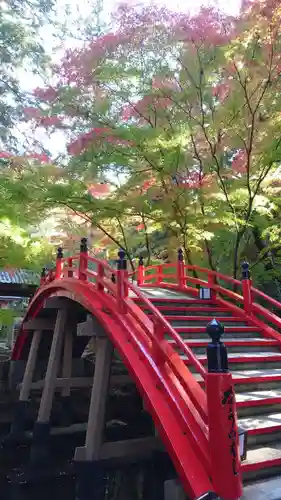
179,276
191,279
117,283
202,422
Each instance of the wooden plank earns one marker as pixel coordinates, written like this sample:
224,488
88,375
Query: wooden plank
39,324
67,362
98,398
78,382
130,449
30,366
57,303
90,328
52,368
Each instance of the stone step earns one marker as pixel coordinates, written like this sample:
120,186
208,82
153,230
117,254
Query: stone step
227,329
262,462
192,310
195,321
245,361
197,334
154,293
251,380
244,345
250,403
175,303
262,429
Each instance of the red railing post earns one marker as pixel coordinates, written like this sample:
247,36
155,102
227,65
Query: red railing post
59,263
158,335
83,260
122,288
69,265
211,283
43,276
159,274
180,269
140,280
100,277
246,288
222,418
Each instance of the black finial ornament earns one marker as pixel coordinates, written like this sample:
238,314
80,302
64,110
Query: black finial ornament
122,262
245,271
216,350
84,245
60,253
140,260
180,255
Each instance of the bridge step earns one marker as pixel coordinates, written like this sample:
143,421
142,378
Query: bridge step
188,310
227,329
181,321
262,462
254,360
237,345
176,302
245,361
262,429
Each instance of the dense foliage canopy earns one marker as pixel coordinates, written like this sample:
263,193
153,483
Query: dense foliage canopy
179,117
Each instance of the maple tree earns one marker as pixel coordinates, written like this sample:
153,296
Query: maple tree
181,116
21,51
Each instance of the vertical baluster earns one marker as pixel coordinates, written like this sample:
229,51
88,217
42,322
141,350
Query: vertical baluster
70,264
59,264
83,260
211,283
246,288
159,274
180,269
122,274
222,418
100,277
140,280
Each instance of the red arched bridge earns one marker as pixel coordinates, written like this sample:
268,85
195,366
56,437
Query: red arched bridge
214,401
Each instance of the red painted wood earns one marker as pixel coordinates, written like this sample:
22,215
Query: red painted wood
264,430
237,311
223,435
234,343
140,275
169,300
227,329
259,402
257,380
272,301
193,309
168,328
247,296
244,359
228,319
170,407
261,465
168,387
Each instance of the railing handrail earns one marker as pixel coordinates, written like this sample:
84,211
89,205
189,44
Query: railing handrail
149,332
212,273
264,296
168,328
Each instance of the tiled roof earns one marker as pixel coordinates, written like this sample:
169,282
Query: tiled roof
19,276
